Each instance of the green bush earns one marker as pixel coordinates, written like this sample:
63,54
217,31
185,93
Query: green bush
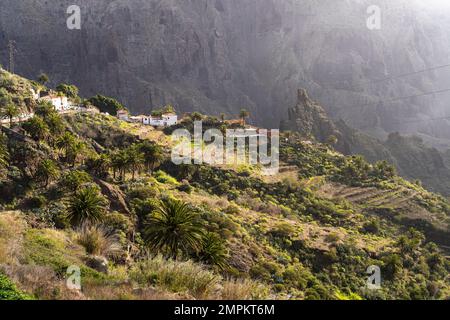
106,104
163,177
372,226
72,180
8,291
118,221
70,91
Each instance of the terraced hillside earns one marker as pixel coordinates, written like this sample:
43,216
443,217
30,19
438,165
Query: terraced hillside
92,192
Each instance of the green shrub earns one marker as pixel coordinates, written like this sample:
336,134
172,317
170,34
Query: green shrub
117,221
163,177
106,104
70,91
8,291
141,192
372,226
185,187
213,251
332,237
72,180
35,202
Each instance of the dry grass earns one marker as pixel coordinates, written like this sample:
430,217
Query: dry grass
97,240
40,282
243,290
12,228
176,276
125,291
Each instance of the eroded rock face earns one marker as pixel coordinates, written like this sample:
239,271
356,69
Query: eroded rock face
310,119
413,158
223,55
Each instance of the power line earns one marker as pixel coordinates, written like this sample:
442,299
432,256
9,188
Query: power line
410,73
416,95
401,98
426,120
373,81
413,121
410,97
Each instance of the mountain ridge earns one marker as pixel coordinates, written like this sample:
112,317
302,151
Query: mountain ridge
222,56
413,158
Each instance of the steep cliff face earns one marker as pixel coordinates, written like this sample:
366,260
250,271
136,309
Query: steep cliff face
413,158
223,55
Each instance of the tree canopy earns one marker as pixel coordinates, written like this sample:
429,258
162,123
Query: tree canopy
106,104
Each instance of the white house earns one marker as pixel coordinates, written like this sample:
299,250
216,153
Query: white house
61,103
146,120
170,119
123,115
136,119
166,120
34,94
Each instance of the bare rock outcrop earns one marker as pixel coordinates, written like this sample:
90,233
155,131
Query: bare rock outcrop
309,119
115,196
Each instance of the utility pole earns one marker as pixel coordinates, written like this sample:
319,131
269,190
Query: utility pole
12,50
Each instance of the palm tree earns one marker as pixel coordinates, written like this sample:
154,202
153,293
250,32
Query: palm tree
65,142
43,78
383,170
75,152
55,124
10,111
99,165
119,163
87,205
196,116
168,109
222,117
153,154
45,109
134,160
37,128
4,154
47,171
244,114
173,226
213,251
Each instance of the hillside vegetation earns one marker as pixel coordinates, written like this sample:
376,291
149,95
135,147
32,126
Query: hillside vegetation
88,190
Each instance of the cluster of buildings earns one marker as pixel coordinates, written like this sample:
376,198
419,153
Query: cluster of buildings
164,120
59,102
63,104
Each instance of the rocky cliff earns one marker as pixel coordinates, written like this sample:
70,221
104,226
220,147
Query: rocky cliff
414,159
223,55
310,120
